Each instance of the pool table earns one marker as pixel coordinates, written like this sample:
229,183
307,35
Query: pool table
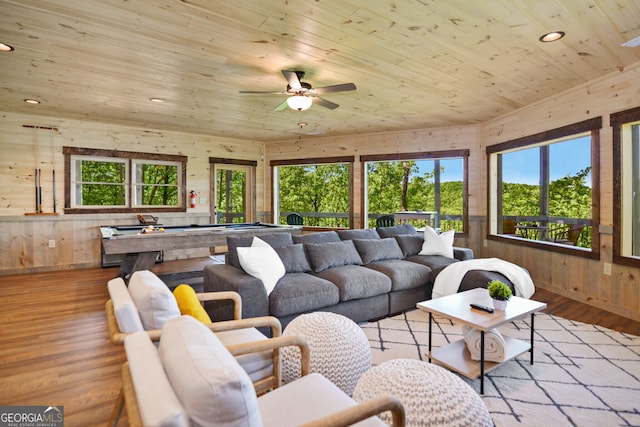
142,249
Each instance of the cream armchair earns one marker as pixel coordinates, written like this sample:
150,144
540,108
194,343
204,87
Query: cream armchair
191,378
147,304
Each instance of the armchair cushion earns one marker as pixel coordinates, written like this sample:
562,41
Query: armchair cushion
371,250
153,299
157,402
293,400
189,304
334,254
262,261
124,309
201,371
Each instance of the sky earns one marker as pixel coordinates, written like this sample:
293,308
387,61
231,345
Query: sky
566,158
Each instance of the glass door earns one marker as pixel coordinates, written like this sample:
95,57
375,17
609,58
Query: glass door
232,194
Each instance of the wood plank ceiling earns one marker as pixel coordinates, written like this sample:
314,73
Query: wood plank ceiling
416,63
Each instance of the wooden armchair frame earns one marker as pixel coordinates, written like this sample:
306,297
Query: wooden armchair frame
342,418
262,385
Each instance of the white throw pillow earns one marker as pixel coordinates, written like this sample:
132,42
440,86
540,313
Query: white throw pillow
153,299
262,261
211,385
438,244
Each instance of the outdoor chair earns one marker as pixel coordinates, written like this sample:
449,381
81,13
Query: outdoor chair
294,219
566,235
192,379
385,221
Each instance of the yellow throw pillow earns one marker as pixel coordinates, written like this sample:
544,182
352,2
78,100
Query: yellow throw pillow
189,304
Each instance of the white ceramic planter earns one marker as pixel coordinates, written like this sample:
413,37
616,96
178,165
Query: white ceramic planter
500,305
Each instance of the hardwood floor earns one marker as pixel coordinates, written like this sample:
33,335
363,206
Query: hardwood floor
54,348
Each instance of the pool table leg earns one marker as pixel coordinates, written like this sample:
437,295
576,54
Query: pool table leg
136,261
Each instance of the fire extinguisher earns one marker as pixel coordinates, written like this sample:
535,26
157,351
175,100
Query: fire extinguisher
193,199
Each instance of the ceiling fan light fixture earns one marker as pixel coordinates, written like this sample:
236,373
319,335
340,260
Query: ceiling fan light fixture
299,102
551,37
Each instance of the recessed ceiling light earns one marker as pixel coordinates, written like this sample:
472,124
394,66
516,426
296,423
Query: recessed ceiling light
156,100
31,101
552,36
5,47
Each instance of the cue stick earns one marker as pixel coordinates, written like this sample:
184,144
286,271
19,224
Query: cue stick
40,189
37,193
54,191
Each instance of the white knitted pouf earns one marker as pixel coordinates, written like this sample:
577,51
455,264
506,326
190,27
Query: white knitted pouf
431,395
339,349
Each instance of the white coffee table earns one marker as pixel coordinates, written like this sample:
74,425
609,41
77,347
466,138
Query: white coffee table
456,307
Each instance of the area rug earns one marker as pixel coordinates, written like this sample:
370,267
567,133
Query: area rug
583,375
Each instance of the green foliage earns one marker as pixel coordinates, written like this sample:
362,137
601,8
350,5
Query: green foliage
231,190
498,290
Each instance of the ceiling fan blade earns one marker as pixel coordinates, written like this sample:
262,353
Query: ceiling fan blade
335,88
268,92
293,78
282,106
326,104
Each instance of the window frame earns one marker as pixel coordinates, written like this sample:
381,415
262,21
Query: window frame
432,155
592,126
275,199
617,121
129,157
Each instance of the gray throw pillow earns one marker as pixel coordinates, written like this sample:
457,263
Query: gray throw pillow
396,230
333,254
410,244
366,233
319,237
274,240
378,249
294,258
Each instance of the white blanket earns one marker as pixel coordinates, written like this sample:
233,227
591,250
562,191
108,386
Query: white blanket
494,344
448,280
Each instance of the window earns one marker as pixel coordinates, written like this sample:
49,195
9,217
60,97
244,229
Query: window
317,189
427,185
117,181
541,187
626,187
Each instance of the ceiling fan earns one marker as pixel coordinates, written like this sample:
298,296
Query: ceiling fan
302,94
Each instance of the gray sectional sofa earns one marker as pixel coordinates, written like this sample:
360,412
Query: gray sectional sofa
362,274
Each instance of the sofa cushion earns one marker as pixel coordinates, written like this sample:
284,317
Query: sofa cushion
378,249
366,233
396,230
410,244
261,261
356,282
274,240
319,237
124,309
403,274
157,402
153,299
438,244
189,304
301,292
434,262
201,371
294,258
332,254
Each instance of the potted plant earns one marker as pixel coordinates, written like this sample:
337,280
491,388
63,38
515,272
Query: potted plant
500,293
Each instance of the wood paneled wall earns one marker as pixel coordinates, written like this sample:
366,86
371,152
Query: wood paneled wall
24,239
